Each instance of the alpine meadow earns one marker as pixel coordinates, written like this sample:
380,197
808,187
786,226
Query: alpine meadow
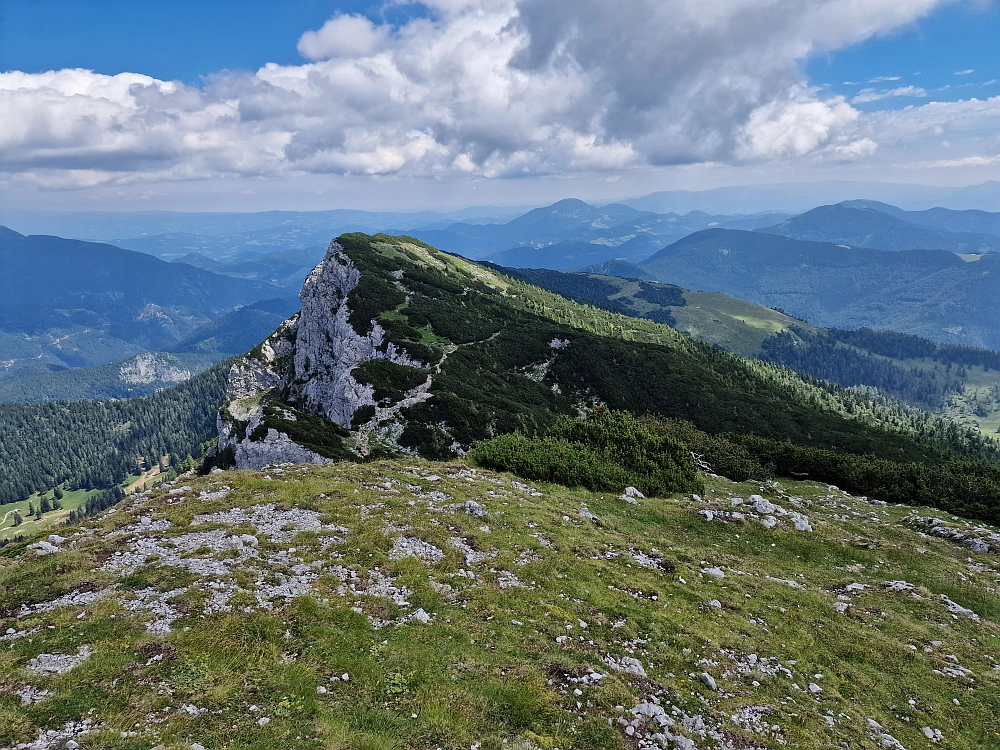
499,375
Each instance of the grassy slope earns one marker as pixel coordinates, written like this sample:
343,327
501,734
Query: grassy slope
505,328
735,325
488,667
741,327
71,501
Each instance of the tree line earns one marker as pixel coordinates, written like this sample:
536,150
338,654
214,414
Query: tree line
97,444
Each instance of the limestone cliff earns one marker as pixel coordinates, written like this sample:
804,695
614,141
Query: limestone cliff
307,362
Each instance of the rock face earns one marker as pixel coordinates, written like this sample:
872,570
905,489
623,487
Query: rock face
148,368
327,348
307,361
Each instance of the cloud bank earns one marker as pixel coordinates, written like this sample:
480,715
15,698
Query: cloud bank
488,88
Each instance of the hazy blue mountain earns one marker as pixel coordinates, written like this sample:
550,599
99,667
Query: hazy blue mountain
141,375
796,197
572,233
945,219
286,269
77,304
865,226
930,293
113,225
240,330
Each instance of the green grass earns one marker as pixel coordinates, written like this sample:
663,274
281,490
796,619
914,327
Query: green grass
72,499
737,326
488,667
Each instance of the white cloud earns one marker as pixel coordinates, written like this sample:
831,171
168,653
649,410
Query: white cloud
968,161
968,72
790,129
871,95
479,87
343,36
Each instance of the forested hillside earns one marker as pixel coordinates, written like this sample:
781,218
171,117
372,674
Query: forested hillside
68,303
97,444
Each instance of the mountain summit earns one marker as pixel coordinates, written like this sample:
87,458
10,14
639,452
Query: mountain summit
402,349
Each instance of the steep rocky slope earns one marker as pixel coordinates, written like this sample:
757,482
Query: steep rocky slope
400,348
409,604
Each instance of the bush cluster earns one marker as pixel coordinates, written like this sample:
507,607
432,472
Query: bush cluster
608,450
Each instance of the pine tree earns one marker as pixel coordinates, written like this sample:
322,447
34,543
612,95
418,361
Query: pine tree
31,508
44,506
59,494
17,518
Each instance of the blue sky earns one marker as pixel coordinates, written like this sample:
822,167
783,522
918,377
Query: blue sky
178,39
253,103
188,39
952,54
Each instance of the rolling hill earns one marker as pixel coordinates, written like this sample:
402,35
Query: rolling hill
944,219
930,293
866,226
959,382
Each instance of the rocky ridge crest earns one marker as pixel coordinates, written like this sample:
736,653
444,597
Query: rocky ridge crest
308,361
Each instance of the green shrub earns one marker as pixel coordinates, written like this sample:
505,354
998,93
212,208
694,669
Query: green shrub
725,457
391,380
607,451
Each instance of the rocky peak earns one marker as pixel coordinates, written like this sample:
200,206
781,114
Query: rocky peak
307,362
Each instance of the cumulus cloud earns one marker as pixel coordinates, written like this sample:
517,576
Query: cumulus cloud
480,87
343,36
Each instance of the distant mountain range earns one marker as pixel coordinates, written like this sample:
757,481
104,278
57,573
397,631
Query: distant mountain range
67,303
930,293
864,224
572,234
796,197
70,304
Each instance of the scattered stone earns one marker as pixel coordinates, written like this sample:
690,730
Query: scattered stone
49,664
421,616
475,509
408,546
714,572
44,548
814,688
884,739
709,681
627,664
934,735
800,522
31,695
631,495
59,739
958,609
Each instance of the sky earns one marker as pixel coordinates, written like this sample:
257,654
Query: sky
400,105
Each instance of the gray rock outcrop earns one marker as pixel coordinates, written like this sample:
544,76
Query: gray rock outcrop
308,360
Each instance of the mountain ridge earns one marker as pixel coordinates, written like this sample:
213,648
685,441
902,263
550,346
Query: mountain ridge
864,226
73,303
